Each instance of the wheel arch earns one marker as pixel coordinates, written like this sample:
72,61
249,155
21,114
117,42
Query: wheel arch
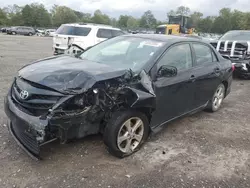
225,83
147,111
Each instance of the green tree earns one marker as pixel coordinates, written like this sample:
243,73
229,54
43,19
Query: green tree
3,17
27,15
245,23
41,15
182,10
132,23
14,15
205,25
237,19
114,22
86,17
100,18
36,15
148,20
63,14
195,18
122,21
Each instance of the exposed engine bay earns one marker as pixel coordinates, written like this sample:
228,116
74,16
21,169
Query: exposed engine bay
79,113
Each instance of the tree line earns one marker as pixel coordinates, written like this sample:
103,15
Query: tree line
37,15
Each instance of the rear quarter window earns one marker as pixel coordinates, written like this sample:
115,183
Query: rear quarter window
104,33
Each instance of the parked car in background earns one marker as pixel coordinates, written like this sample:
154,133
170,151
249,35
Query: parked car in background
124,88
50,32
82,35
235,46
3,30
40,32
21,30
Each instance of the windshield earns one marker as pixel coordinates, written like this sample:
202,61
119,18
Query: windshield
174,20
123,52
236,35
161,30
72,30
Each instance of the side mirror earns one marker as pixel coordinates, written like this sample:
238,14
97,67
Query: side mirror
166,71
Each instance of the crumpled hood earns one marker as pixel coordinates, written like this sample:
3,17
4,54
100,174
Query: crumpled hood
65,73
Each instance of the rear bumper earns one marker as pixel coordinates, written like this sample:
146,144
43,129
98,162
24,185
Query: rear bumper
58,51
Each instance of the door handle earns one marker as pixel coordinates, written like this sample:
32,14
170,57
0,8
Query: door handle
217,70
192,78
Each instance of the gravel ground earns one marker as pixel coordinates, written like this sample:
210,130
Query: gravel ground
203,150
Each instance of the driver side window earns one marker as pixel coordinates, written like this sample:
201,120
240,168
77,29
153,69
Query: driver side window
178,56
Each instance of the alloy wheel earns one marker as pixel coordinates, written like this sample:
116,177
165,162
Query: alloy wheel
218,97
130,135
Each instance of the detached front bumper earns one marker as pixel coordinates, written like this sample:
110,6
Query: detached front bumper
28,131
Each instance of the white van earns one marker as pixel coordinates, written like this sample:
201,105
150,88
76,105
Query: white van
82,35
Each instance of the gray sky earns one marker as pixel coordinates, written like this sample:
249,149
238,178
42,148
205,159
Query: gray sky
136,7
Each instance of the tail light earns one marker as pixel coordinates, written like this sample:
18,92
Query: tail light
233,67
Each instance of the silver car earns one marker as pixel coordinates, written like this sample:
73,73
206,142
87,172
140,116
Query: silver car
21,30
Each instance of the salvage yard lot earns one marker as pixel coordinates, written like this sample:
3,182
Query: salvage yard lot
203,150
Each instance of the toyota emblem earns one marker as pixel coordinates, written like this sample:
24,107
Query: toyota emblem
24,94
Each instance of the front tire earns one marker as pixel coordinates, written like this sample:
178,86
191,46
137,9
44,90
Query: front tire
30,34
125,133
13,33
218,97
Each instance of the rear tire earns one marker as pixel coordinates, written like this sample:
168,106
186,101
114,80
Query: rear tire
125,133
217,99
30,34
13,33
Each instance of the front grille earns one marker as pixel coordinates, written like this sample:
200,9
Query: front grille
232,50
28,141
36,104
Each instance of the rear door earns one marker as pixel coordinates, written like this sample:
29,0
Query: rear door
174,95
19,30
208,72
103,34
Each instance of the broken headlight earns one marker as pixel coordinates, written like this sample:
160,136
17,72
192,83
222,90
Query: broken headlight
79,100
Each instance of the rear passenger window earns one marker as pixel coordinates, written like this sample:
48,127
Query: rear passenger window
203,54
116,33
104,33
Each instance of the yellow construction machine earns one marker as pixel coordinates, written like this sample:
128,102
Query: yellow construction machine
177,24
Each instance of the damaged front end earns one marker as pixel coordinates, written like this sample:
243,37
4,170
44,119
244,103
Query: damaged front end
238,53
40,114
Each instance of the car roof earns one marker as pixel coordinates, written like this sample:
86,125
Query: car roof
165,38
91,25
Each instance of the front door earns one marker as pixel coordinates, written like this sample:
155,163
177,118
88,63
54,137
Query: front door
174,95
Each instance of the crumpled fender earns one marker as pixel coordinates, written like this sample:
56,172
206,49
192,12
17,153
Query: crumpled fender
145,98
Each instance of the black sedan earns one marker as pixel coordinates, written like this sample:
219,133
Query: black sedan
124,88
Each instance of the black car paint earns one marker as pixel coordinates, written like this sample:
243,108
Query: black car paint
69,78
